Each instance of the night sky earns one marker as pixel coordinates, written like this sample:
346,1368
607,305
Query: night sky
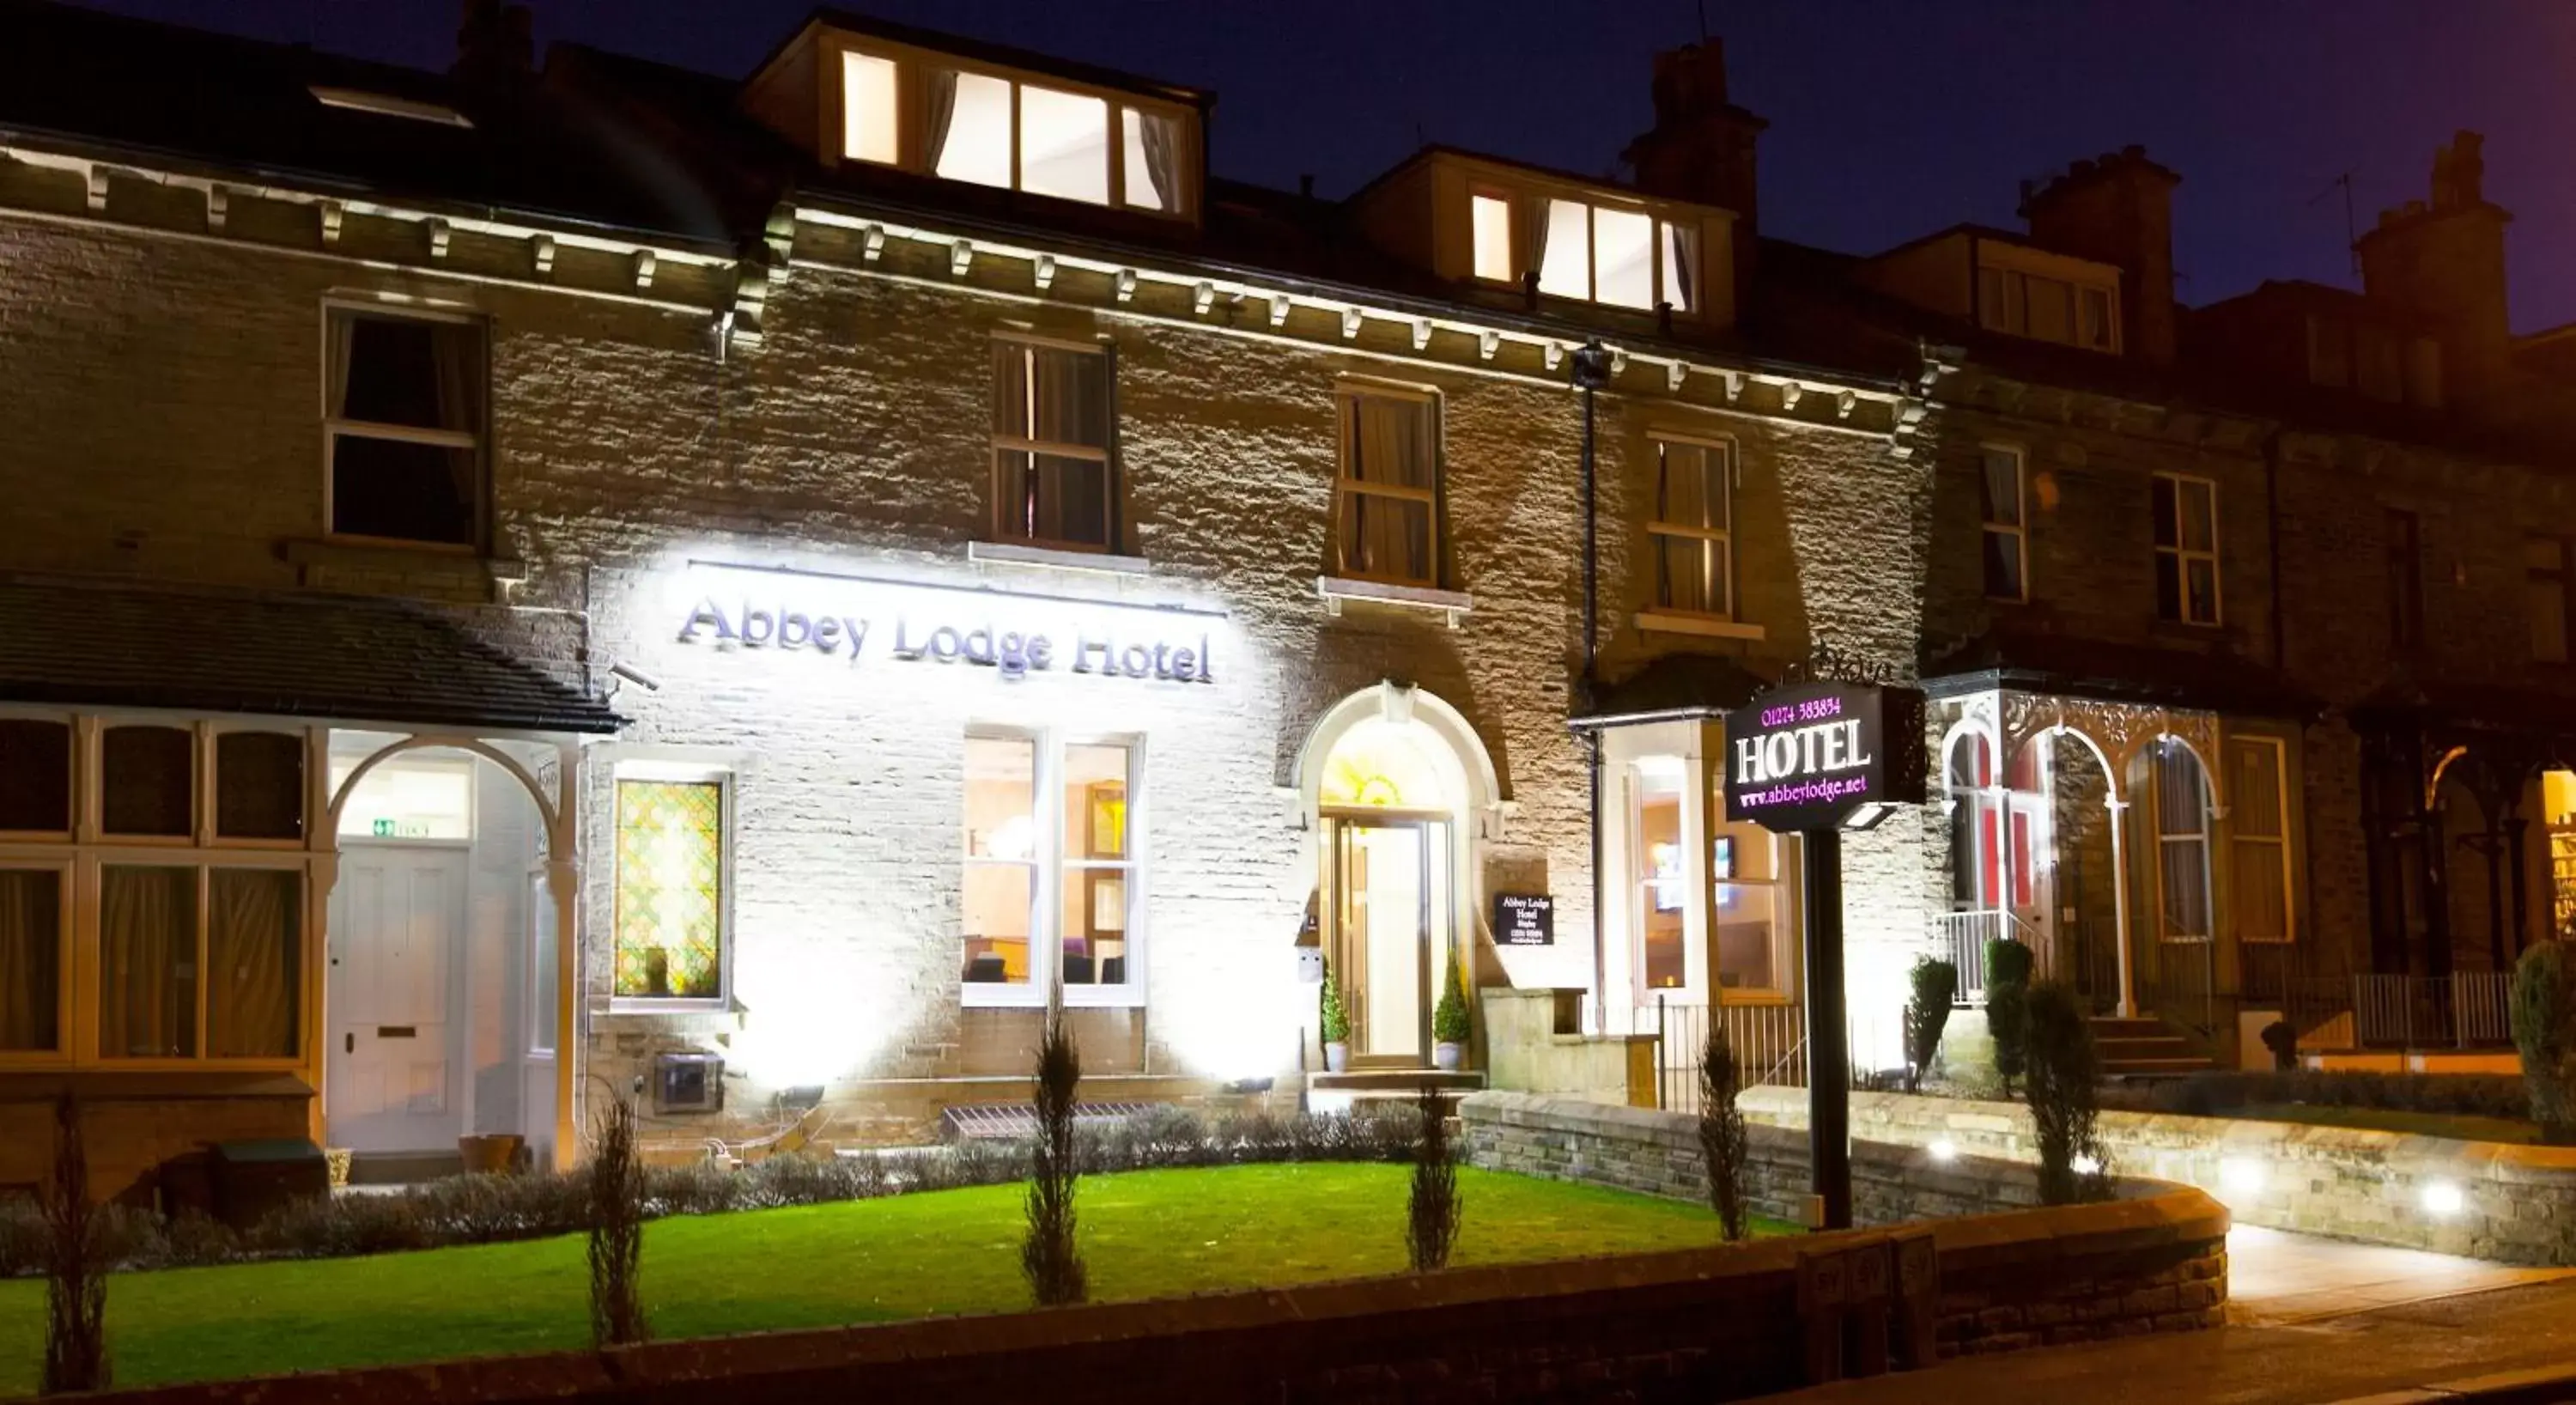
1889,118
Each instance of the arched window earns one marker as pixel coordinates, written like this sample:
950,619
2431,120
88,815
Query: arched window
2182,842
1968,777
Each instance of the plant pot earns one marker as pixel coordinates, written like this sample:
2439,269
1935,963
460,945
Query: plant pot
1337,1057
493,1155
1448,1057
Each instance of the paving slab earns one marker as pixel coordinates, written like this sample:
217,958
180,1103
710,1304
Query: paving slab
2316,1324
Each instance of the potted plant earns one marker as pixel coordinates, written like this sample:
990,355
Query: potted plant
1336,1023
1449,1028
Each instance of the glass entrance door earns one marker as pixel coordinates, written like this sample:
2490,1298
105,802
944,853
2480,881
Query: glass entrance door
1390,910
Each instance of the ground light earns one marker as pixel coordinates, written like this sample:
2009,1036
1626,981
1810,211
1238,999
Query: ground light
2085,1165
2241,1175
2442,1199
1943,1149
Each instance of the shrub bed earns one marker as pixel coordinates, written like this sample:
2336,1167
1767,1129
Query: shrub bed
492,1209
2227,1092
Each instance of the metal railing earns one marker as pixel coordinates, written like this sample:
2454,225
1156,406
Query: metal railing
1770,1044
2182,988
1963,936
2467,1011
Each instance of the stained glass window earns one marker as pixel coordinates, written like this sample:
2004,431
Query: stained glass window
670,889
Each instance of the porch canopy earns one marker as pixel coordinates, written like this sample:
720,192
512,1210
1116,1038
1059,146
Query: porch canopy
2141,734
2454,810
1672,688
112,644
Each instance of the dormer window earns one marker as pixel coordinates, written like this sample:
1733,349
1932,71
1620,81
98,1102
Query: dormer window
1620,257
926,112
2025,293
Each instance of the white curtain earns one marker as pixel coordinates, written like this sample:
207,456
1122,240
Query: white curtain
147,979
1162,157
251,963
30,958
943,106
2182,842
1390,444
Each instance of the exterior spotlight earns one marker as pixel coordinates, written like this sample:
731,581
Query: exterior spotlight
2085,1166
2442,1199
1943,1149
2241,1175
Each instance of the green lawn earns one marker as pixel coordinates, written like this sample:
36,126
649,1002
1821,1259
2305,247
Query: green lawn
1144,1234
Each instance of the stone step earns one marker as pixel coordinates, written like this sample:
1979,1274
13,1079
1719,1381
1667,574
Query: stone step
403,1167
1395,1082
2156,1068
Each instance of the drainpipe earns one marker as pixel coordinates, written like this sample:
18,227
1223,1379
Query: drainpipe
1591,363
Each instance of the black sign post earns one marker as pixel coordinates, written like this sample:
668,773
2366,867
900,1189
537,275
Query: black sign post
1814,760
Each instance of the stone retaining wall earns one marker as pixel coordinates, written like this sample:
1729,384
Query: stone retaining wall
2513,1204
2011,1275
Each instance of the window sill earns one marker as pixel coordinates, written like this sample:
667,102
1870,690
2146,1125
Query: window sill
378,555
1767,999
1057,558
647,1005
1336,590
973,995
1706,626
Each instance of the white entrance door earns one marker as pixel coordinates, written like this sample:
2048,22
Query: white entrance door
397,939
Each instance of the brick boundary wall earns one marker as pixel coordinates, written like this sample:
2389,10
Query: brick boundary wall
2516,1204
2012,1275
1718,1323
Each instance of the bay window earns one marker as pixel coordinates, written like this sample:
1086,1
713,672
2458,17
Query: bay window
154,887
2259,838
927,112
1050,888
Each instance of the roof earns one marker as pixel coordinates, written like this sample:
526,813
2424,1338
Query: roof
1671,687
114,644
215,104
2069,666
2466,711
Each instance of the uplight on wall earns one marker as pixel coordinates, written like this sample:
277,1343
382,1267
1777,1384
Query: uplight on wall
2442,1199
2242,1175
2085,1165
1943,1149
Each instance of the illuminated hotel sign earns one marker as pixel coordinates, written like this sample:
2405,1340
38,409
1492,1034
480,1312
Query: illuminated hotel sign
1824,756
855,618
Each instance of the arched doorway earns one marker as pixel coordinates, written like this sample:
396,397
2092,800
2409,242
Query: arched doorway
443,985
1398,789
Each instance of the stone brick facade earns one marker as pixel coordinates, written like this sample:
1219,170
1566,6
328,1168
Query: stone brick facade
2164,1283
2483,1200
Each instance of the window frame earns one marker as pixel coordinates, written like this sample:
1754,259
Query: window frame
1729,480
81,854
2280,749
726,777
1106,455
2204,836
912,66
1512,241
2533,578
1049,862
2013,266
1659,221
2403,542
2184,556
1345,392
75,784
2018,529
334,427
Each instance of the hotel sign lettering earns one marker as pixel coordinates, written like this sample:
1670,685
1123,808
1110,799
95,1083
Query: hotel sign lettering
1014,649
1824,756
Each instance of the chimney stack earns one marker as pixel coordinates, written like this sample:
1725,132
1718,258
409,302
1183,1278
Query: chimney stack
1701,146
2443,264
495,42
2118,209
